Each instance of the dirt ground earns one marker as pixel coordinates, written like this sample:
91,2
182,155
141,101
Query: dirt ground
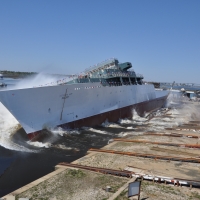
190,171
74,184
165,192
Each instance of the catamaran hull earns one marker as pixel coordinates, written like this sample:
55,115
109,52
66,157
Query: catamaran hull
77,105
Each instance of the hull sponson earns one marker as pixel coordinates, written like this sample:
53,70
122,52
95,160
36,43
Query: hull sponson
48,107
111,116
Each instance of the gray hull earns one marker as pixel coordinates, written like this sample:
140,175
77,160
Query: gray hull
47,107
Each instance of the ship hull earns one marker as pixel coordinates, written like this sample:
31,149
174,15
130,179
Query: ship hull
111,116
77,105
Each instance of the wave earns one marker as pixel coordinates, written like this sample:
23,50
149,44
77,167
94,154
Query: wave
40,144
8,126
110,124
60,131
98,131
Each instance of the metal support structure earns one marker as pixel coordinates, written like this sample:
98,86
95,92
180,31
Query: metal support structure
152,156
131,174
159,143
101,170
172,135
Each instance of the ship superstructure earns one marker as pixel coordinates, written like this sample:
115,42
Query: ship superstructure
110,73
107,91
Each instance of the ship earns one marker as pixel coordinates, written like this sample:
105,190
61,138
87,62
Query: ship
108,91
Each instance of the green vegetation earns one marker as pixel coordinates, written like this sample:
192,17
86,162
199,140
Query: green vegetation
123,196
65,185
161,187
16,74
194,195
75,173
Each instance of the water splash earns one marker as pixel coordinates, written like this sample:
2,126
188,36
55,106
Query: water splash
40,144
39,80
137,118
105,124
63,147
95,130
125,121
122,134
8,126
60,131
110,124
131,128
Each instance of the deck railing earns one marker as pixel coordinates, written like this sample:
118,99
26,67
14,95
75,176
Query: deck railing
106,62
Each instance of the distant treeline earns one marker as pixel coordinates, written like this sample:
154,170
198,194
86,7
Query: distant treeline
15,74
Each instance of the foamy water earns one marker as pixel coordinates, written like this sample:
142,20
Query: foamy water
95,130
40,144
110,124
131,128
122,134
136,118
125,121
40,80
60,131
63,147
8,125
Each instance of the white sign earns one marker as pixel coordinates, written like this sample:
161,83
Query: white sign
134,188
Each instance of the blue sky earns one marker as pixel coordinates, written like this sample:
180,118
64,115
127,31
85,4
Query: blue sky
161,38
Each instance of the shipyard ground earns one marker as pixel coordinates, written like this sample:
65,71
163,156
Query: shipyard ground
149,150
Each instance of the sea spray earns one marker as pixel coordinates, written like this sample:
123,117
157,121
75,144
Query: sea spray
125,121
40,144
60,131
96,130
40,80
63,147
131,128
8,126
110,124
137,118
122,134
